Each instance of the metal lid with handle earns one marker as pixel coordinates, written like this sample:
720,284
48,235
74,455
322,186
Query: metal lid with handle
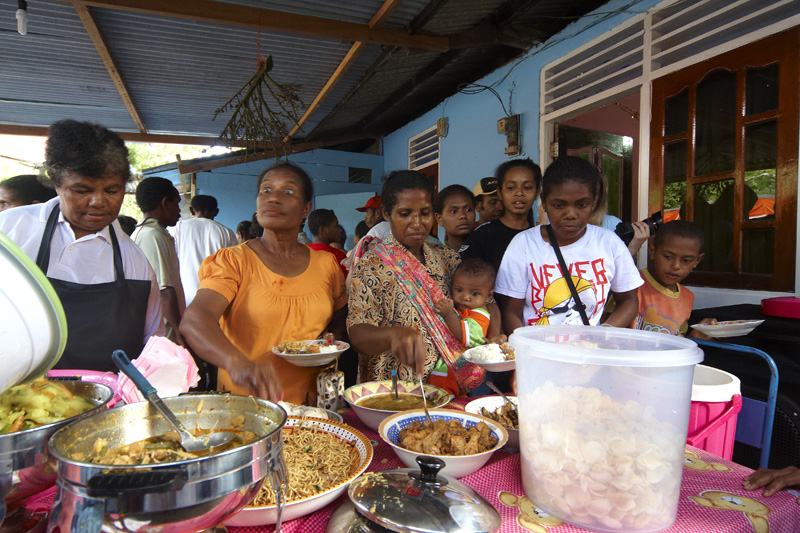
407,500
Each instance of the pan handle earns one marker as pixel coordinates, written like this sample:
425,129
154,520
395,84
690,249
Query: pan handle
146,481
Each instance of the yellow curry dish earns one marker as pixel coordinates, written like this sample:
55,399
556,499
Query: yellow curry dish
38,403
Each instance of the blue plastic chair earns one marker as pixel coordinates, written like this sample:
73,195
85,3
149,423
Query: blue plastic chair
754,424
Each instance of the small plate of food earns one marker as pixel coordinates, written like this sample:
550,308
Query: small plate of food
497,409
493,357
317,352
308,411
728,328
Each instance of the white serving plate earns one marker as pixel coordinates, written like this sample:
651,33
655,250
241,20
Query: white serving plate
729,328
491,404
33,329
502,366
314,359
266,515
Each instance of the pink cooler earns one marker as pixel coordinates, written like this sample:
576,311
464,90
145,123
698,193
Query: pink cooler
716,402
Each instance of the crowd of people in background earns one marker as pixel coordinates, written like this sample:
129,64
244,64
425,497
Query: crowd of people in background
406,301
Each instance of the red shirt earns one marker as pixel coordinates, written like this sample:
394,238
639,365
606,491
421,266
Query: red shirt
338,254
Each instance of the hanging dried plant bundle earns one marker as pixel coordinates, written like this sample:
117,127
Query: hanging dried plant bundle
256,121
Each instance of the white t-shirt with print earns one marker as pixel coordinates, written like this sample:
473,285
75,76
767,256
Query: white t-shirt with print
599,263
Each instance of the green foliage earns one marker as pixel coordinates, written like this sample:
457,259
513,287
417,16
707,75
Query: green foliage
149,155
9,169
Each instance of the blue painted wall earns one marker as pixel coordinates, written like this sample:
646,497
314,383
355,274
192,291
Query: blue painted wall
473,148
234,187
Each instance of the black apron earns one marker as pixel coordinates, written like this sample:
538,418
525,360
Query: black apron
102,317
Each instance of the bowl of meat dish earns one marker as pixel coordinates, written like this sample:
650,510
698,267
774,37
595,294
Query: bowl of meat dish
322,457
373,401
464,441
124,467
317,352
29,415
496,408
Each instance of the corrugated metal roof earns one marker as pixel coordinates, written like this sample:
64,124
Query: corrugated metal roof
178,71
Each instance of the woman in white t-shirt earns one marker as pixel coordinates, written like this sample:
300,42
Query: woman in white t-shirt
530,279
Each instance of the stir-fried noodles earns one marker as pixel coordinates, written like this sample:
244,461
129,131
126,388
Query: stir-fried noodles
315,461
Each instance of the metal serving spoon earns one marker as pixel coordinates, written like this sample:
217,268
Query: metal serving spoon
498,391
189,442
424,401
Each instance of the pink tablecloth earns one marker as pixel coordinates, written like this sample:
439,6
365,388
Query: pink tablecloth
719,505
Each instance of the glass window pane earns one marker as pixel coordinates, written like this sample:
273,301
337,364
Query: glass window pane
715,136
761,89
713,212
760,163
612,169
758,251
676,113
674,180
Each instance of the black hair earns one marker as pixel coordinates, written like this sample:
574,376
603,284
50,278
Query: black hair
243,228
679,228
128,224
203,203
152,191
87,149
447,192
256,231
305,179
398,181
318,218
361,229
476,267
27,189
570,168
502,170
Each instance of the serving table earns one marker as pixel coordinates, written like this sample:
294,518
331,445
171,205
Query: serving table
711,499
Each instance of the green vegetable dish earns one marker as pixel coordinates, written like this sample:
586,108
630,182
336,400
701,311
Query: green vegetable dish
38,403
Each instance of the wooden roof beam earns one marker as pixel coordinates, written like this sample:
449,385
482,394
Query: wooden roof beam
377,21
102,49
271,20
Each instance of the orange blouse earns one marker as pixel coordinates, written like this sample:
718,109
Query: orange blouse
267,309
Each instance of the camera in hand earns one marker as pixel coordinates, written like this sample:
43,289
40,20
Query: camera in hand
625,229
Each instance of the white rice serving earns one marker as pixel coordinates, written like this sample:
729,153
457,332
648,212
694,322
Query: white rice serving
488,353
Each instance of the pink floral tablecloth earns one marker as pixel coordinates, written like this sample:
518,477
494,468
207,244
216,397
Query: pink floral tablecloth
712,499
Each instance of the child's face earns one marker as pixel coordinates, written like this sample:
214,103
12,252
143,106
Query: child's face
518,191
569,206
673,260
470,291
458,215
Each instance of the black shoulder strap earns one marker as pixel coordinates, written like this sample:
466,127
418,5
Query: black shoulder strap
43,257
565,272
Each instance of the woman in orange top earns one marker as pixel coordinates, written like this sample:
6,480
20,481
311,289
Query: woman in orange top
264,292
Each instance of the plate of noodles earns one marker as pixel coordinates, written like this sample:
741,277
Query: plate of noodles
316,352
313,450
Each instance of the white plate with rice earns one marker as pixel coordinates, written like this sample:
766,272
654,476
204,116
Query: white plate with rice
492,357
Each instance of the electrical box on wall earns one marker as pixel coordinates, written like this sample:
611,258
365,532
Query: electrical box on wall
510,126
442,127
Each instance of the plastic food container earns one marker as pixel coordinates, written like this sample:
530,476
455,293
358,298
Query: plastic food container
603,420
716,402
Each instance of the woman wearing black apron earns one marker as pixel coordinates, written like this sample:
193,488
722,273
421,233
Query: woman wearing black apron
105,284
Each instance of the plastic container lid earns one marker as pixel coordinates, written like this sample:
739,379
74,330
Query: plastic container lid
782,306
33,330
714,385
595,345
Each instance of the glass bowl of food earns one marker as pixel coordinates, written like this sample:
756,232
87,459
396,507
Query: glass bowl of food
375,400
465,441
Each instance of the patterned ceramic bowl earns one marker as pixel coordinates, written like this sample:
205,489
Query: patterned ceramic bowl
456,466
373,417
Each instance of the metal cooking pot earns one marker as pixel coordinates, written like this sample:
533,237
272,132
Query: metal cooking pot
176,497
25,467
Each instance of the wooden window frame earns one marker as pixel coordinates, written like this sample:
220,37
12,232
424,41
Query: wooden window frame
780,48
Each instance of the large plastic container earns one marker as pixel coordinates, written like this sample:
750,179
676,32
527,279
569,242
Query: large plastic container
716,402
603,419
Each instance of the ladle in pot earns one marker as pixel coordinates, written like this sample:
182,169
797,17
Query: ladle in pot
498,391
189,442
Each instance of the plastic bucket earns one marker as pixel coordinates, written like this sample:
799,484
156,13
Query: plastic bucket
603,414
716,402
